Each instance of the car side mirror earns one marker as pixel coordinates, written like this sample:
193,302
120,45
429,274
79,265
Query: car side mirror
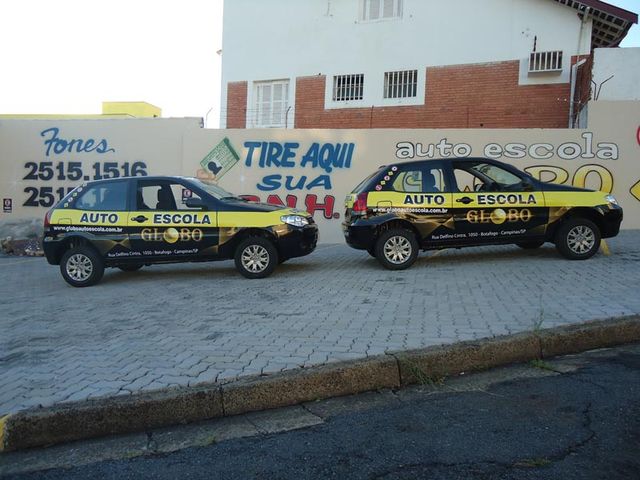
196,203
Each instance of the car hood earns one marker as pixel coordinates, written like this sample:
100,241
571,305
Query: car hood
268,207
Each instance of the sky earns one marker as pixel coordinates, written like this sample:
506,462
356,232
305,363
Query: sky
68,56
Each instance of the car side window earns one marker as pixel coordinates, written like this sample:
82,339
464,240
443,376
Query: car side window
106,197
182,195
465,181
485,177
427,179
434,181
408,181
163,196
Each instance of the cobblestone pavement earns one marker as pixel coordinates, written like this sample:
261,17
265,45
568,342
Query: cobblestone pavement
190,323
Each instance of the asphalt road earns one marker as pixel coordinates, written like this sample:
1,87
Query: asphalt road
577,417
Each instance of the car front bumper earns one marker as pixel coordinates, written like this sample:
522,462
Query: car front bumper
298,242
612,218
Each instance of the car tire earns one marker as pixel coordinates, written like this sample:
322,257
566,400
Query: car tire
130,268
256,257
81,266
397,249
578,239
372,251
530,245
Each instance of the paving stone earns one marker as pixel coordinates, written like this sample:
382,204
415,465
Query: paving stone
204,322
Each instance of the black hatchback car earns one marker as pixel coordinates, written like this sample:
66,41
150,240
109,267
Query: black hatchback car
432,204
131,222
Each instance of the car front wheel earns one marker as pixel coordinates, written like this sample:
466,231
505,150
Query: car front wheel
81,266
578,239
256,257
397,249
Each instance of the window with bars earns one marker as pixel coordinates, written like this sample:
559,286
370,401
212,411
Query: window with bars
545,62
401,84
348,87
271,101
381,9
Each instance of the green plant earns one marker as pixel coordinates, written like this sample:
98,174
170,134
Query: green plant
537,324
541,364
422,377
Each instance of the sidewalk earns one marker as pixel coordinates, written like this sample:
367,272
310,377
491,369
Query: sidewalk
571,417
183,325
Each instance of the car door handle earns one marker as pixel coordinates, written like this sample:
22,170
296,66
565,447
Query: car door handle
139,218
464,200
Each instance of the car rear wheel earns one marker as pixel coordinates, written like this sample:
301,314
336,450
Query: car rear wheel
397,249
530,245
130,268
81,266
256,257
578,239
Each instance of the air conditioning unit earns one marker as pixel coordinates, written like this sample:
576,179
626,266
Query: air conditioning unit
545,62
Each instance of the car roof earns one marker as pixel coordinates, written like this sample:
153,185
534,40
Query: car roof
449,159
152,178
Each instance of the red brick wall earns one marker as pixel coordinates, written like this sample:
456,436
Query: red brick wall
237,104
462,96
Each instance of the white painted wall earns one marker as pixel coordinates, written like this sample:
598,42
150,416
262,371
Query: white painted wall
624,65
275,39
602,157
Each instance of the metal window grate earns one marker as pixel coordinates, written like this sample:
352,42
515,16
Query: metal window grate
381,9
545,62
401,84
348,87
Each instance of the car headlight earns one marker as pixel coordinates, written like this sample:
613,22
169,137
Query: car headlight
295,220
611,199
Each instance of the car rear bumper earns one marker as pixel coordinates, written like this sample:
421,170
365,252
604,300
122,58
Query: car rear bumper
360,237
50,248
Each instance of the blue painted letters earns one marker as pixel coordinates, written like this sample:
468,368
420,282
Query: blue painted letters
57,145
326,156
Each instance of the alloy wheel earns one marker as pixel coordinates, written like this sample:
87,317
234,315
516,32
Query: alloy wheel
397,249
255,258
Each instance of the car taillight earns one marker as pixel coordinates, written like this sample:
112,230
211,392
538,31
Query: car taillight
360,205
47,219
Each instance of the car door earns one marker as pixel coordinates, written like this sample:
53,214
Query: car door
420,194
99,213
495,204
170,222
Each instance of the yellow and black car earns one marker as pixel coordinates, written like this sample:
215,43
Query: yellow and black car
433,204
131,222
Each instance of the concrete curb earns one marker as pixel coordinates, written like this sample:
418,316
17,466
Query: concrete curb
111,415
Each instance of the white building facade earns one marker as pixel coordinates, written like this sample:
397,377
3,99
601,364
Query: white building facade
377,55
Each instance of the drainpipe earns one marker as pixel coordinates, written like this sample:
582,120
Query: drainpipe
286,117
574,74
574,69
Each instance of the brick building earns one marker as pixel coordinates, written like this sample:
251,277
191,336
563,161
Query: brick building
412,63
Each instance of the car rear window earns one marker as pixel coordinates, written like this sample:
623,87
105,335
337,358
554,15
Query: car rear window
364,185
111,196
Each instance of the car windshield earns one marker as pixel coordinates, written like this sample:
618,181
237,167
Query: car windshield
215,191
